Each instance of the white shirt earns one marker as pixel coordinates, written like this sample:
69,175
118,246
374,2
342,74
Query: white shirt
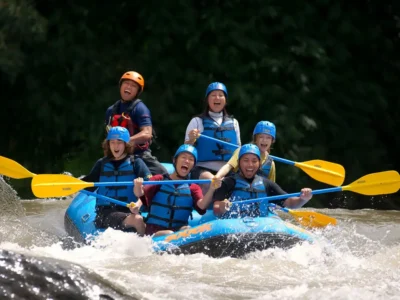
197,123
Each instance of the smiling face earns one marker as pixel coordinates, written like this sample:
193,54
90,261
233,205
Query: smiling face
184,163
264,142
249,165
216,101
128,90
117,148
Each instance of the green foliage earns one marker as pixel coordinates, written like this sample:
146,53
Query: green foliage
325,72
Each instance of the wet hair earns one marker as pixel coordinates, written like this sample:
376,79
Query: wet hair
107,150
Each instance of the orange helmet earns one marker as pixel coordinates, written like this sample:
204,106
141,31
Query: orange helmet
134,76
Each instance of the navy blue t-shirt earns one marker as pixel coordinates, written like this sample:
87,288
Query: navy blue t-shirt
140,115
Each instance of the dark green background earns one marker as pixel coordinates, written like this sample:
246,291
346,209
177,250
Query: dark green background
325,72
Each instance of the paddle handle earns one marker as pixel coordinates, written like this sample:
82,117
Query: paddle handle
219,141
278,197
127,183
273,205
282,160
117,202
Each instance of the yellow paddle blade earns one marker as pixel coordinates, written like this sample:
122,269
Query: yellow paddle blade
312,219
386,182
53,185
323,171
13,169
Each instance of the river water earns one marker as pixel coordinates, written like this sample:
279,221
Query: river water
357,259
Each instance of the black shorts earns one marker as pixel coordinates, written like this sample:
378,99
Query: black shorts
110,217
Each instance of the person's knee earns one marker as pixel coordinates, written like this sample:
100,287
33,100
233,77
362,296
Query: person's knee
206,175
133,220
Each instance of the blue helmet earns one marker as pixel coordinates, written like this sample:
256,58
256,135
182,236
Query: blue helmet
249,149
265,127
187,148
216,86
118,133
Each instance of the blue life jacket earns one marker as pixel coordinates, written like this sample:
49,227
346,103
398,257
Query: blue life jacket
266,167
171,206
108,173
243,190
209,150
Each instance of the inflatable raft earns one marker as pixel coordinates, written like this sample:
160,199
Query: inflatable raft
208,235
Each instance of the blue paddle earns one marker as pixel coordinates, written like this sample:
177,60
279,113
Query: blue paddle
60,185
321,170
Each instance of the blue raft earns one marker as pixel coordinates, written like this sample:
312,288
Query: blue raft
208,235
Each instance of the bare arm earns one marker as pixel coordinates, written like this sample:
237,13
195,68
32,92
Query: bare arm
208,197
223,171
143,136
297,202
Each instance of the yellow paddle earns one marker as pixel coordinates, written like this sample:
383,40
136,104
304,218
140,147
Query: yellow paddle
13,169
308,218
321,170
386,182
59,185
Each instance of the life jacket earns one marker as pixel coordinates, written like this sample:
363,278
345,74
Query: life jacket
171,206
243,190
124,120
209,150
108,173
265,169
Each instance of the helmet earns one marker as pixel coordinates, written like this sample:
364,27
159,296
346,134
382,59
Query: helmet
265,127
134,76
187,148
118,133
216,86
249,149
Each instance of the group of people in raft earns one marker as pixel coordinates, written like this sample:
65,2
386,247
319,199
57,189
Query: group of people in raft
236,174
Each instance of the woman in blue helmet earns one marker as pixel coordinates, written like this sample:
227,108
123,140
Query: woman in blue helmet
246,184
214,122
264,135
118,164
170,206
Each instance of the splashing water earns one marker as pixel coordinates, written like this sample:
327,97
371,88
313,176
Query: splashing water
357,259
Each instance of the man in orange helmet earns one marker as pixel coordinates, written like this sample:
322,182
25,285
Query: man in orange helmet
131,113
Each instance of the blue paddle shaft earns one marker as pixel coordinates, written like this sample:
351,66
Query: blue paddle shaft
125,183
117,202
282,160
278,197
278,207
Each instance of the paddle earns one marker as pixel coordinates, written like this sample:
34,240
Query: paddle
13,169
386,182
112,200
59,185
308,218
321,170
